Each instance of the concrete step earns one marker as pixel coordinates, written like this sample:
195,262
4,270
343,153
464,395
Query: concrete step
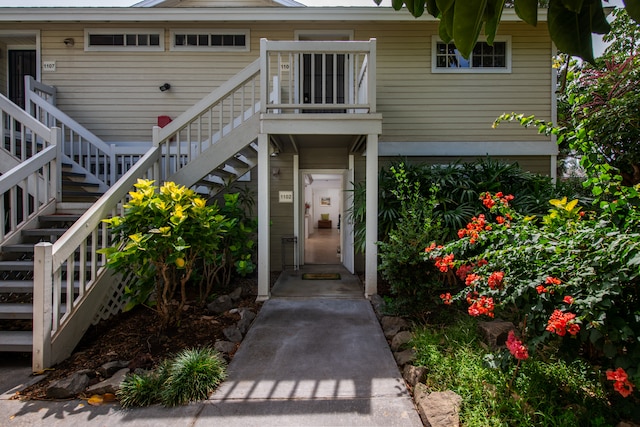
16,341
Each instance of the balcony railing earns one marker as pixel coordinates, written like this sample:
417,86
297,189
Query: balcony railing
319,76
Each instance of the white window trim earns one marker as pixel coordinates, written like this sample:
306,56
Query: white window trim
246,33
94,31
480,70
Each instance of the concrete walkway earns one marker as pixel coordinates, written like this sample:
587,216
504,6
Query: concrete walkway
319,361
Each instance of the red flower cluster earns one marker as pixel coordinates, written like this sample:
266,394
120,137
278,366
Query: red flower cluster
622,384
552,281
568,299
446,298
489,201
431,247
444,263
471,279
495,280
479,306
516,348
474,228
561,323
464,270
541,289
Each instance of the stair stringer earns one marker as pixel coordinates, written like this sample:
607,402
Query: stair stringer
218,153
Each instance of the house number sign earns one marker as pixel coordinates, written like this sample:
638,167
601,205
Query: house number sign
49,66
284,67
286,196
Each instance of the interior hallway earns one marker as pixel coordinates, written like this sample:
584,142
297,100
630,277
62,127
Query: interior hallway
322,246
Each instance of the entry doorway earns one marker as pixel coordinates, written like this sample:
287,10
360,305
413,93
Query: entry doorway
327,233
322,217
22,62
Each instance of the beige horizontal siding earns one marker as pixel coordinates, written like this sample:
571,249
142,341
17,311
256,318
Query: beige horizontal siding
535,164
116,95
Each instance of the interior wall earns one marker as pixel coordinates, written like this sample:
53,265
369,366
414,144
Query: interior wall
333,209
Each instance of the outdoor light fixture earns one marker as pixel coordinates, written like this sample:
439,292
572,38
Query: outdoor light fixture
165,87
69,42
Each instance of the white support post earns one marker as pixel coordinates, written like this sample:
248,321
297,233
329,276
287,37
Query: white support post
264,76
371,83
157,166
298,207
263,218
42,306
371,248
56,173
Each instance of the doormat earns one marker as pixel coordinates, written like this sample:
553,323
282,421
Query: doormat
321,276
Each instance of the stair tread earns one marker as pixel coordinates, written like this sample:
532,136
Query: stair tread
18,247
16,286
59,217
44,232
73,174
16,340
79,184
16,311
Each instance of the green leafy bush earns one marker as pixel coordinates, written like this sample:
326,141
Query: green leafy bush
569,280
459,186
167,236
401,261
544,393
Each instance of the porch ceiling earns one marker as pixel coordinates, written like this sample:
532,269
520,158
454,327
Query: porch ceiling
295,143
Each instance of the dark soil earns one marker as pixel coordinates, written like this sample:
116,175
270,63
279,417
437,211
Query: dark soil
135,337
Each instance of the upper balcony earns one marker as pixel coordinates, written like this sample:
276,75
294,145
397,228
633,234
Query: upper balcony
318,77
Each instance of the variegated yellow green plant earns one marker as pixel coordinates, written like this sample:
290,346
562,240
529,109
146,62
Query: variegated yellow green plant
160,239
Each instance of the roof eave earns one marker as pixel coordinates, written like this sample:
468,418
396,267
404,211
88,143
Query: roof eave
266,14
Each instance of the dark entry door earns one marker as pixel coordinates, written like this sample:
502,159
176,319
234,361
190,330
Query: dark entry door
21,63
323,79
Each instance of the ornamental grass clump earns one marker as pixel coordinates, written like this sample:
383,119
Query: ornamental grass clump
190,376
569,281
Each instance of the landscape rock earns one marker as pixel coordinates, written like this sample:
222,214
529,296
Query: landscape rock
246,317
233,334
68,387
110,385
108,369
438,409
224,347
378,305
627,424
391,325
414,374
400,339
236,294
495,332
220,305
404,357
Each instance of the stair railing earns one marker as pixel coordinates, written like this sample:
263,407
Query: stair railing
103,162
216,115
27,187
59,324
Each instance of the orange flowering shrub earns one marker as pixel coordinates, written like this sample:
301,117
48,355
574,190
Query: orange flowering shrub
568,276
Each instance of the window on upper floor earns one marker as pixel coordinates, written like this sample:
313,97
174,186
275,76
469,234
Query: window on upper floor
483,59
208,40
124,40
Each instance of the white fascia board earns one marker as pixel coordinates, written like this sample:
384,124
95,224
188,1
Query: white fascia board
461,149
154,3
263,14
